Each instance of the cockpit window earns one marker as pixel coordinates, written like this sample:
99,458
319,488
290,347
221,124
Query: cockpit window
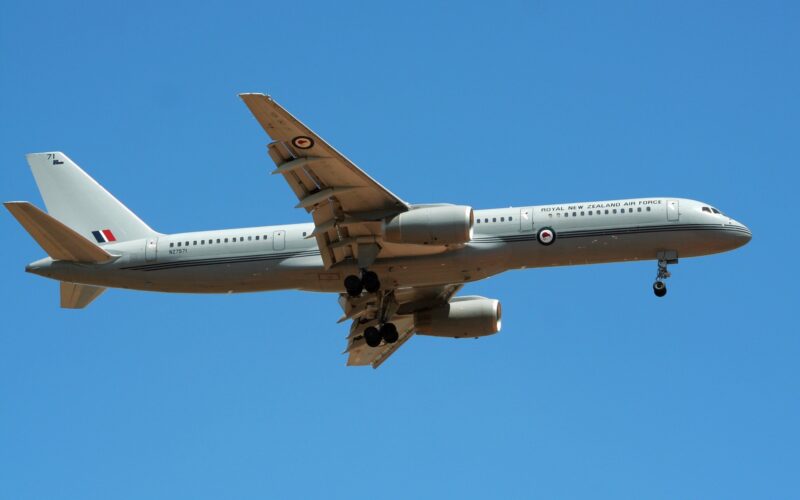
706,209
715,211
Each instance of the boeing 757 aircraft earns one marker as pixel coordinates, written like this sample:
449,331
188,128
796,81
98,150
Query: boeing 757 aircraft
396,266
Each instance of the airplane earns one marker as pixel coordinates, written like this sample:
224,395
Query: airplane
396,266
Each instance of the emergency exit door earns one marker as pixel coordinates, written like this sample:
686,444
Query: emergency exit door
526,219
278,240
673,210
150,249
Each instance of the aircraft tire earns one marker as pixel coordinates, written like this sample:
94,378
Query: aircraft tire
659,288
353,285
372,336
389,333
371,282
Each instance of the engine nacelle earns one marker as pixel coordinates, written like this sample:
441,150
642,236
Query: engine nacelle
441,225
471,316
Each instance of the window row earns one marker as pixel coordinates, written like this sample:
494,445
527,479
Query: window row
219,241
601,212
494,219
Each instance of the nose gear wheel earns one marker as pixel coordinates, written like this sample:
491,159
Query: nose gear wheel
659,287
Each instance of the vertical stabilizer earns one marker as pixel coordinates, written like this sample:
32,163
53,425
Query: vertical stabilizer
78,201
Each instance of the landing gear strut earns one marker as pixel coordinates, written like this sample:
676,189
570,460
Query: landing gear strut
368,281
659,287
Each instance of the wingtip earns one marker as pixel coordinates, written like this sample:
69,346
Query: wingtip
245,95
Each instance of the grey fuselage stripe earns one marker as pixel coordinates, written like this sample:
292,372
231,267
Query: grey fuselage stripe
532,236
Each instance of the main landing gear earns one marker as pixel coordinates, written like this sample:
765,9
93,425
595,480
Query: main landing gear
659,287
387,332
368,281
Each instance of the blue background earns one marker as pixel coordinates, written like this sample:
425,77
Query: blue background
594,388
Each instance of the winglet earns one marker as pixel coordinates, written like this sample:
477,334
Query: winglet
59,241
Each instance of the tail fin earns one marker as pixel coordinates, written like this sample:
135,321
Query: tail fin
77,296
59,241
78,201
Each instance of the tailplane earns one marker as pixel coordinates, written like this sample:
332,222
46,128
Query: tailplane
77,200
59,241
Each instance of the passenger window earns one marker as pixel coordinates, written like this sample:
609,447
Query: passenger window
187,243
638,209
217,240
171,245
502,219
226,240
202,242
241,238
582,214
510,219
614,211
210,241
590,212
566,214
606,211
648,209
195,242
258,237
304,233
477,220
574,214
249,238
494,219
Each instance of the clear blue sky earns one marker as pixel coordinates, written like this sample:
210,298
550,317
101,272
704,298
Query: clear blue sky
594,388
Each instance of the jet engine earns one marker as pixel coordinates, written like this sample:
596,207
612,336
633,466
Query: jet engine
437,225
470,316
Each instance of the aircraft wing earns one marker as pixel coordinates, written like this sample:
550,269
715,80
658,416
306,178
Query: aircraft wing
397,306
346,204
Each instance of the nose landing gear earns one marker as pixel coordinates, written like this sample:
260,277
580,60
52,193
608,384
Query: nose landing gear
664,259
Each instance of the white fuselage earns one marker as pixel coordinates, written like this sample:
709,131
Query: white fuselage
284,257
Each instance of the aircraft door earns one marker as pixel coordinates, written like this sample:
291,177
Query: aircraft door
673,210
278,240
151,249
525,219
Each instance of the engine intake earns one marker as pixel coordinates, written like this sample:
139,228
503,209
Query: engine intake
470,316
442,225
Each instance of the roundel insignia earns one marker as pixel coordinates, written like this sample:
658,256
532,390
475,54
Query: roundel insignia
302,142
546,236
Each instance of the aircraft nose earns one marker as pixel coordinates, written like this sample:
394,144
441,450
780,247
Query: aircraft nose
741,233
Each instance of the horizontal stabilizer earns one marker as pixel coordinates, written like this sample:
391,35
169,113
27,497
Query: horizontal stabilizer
59,241
77,296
